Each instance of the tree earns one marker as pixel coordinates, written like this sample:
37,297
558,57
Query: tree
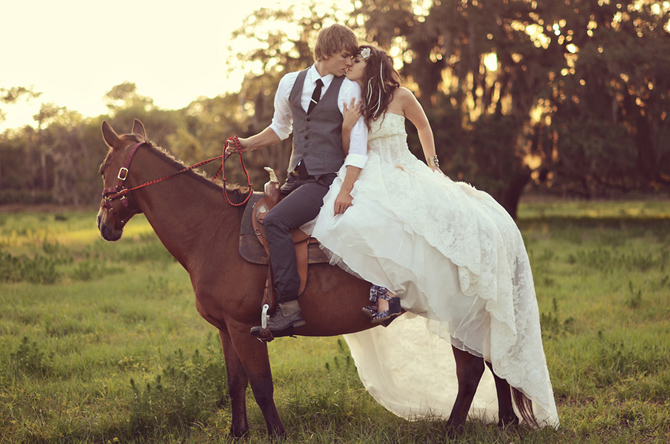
125,96
14,94
14,173
62,156
573,94
479,74
610,104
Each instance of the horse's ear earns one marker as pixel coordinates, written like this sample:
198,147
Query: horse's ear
109,136
138,129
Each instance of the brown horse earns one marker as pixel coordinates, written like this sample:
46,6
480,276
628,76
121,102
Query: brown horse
201,231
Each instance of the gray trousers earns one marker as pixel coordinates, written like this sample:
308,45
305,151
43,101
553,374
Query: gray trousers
299,206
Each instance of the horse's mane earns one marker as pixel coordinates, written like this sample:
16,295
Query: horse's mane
236,193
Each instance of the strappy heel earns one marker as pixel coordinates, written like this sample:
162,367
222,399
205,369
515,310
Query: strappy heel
386,316
371,310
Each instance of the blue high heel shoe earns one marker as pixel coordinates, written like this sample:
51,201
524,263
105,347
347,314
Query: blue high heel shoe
387,316
371,310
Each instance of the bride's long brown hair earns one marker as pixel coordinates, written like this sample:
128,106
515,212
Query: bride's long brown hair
380,80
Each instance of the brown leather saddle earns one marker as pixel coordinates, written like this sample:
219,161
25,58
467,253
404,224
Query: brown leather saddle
254,246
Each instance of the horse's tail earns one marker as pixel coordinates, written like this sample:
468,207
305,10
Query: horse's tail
525,407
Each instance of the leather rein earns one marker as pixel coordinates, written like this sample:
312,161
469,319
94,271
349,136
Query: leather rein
110,194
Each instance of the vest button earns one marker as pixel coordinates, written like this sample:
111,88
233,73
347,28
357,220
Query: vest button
309,119
306,137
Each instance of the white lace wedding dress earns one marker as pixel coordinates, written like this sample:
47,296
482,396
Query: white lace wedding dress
457,260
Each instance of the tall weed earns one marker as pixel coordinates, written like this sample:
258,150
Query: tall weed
618,359
188,391
29,360
552,324
36,270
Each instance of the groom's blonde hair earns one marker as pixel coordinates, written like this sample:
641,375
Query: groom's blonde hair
334,39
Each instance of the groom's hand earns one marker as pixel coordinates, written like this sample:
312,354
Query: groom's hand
231,147
343,201
264,138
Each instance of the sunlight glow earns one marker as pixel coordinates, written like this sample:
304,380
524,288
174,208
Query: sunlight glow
491,61
537,36
75,51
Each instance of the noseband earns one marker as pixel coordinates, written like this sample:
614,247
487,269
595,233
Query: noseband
110,194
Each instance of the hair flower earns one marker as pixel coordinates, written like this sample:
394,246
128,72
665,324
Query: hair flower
365,53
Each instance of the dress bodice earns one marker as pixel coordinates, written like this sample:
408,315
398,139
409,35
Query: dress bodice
388,125
388,139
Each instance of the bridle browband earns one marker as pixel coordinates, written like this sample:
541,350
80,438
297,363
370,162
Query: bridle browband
110,194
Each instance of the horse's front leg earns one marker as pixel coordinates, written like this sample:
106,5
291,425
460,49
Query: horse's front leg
469,370
253,356
237,386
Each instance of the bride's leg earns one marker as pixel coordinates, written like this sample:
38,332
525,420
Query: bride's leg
382,305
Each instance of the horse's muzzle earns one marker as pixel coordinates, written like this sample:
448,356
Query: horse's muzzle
108,231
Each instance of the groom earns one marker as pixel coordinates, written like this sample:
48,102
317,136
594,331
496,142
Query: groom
308,103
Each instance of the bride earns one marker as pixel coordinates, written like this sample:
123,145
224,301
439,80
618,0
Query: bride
447,253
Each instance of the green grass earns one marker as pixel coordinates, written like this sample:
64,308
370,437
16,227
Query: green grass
101,342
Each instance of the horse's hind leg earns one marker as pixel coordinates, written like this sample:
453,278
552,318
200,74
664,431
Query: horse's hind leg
469,370
506,415
237,386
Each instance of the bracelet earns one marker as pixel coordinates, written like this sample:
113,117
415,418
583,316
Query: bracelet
432,161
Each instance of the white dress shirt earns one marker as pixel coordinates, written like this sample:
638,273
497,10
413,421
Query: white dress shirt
282,121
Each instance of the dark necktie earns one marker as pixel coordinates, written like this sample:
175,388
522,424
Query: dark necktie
315,96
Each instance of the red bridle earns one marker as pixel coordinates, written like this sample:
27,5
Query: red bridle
110,194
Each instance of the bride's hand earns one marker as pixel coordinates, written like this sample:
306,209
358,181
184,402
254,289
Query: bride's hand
342,202
350,114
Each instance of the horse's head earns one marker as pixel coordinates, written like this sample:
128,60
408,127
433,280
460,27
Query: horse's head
115,210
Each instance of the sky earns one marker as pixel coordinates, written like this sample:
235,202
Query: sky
75,51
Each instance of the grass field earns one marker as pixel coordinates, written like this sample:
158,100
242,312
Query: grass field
101,342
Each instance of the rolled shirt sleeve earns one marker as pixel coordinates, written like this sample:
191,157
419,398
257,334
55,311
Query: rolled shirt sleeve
358,141
282,120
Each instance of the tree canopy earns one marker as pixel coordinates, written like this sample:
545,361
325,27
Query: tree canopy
567,97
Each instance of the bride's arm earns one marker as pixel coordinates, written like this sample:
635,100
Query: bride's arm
350,116
344,199
415,113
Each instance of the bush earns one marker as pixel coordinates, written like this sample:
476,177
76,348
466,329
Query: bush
37,270
30,360
187,392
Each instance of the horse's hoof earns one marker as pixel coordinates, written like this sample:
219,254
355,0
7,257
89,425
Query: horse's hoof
239,434
453,430
504,423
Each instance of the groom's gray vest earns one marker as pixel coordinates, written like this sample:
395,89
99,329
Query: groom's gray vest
317,136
